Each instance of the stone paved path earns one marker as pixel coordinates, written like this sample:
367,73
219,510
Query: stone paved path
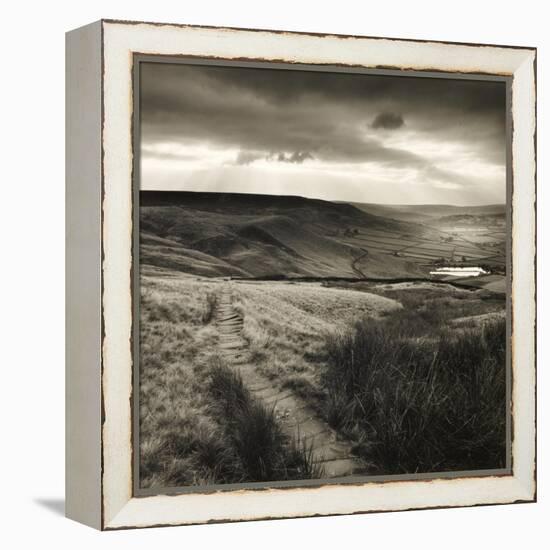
296,418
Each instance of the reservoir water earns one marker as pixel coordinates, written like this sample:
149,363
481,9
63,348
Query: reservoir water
459,271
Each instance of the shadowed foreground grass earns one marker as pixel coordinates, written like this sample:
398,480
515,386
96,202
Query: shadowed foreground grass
262,452
415,404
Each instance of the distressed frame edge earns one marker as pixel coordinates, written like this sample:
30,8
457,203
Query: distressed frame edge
115,21
524,250
524,487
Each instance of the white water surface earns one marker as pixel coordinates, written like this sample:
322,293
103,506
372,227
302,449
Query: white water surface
460,271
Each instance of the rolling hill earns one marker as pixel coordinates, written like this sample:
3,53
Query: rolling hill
215,234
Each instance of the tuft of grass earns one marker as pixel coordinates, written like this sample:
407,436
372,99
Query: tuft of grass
302,462
416,405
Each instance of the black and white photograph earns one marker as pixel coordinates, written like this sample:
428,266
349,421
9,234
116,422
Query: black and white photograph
274,275
323,274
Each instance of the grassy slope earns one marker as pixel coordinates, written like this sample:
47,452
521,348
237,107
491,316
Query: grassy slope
414,390
170,254
177,428
287,326
198,424
248,235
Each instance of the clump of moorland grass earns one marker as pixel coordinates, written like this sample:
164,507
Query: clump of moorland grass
419,405
263,451
187,453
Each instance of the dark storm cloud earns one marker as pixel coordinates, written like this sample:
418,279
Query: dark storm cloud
297,157
388,121
326,116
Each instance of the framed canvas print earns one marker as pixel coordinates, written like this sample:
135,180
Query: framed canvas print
300,274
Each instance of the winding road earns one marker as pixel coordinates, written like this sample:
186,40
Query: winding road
354,263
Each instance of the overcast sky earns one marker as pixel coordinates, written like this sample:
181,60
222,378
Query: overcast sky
358,138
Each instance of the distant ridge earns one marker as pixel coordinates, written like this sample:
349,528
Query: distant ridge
192,198
430,205
423,213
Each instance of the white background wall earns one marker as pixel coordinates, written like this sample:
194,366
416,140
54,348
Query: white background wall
32,256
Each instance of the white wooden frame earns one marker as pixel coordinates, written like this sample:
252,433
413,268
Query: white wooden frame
99,267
